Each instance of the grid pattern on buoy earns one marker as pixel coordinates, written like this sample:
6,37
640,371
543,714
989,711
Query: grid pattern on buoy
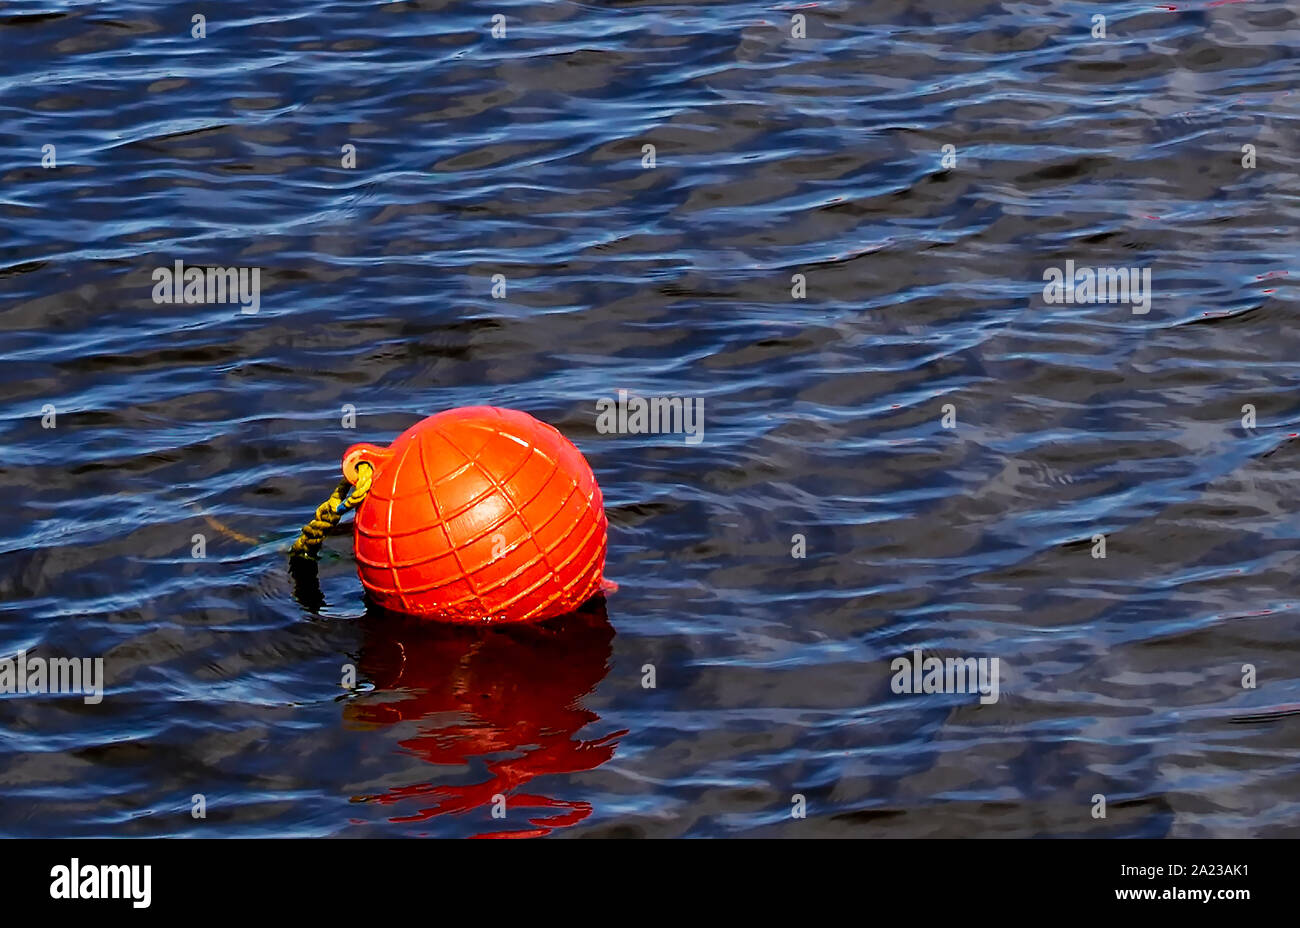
462,590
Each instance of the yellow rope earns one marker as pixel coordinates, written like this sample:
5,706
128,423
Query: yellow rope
331,511
229,532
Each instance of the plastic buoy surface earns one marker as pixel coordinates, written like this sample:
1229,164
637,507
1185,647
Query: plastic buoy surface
479,514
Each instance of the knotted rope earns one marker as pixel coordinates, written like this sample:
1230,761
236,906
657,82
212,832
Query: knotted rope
345,496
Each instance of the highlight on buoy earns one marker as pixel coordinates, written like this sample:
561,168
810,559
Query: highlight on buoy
476,514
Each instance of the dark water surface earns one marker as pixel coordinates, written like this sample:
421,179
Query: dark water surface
522,156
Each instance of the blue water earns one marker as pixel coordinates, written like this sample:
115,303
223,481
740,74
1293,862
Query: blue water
523,156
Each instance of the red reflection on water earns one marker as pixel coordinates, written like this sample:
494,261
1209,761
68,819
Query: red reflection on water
510,696
1172,8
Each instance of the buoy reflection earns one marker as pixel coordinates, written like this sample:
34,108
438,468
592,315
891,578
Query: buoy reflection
510,695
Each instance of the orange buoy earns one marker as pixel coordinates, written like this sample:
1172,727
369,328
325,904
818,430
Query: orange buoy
479,514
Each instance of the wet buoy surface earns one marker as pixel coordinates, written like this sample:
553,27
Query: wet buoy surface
479,514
